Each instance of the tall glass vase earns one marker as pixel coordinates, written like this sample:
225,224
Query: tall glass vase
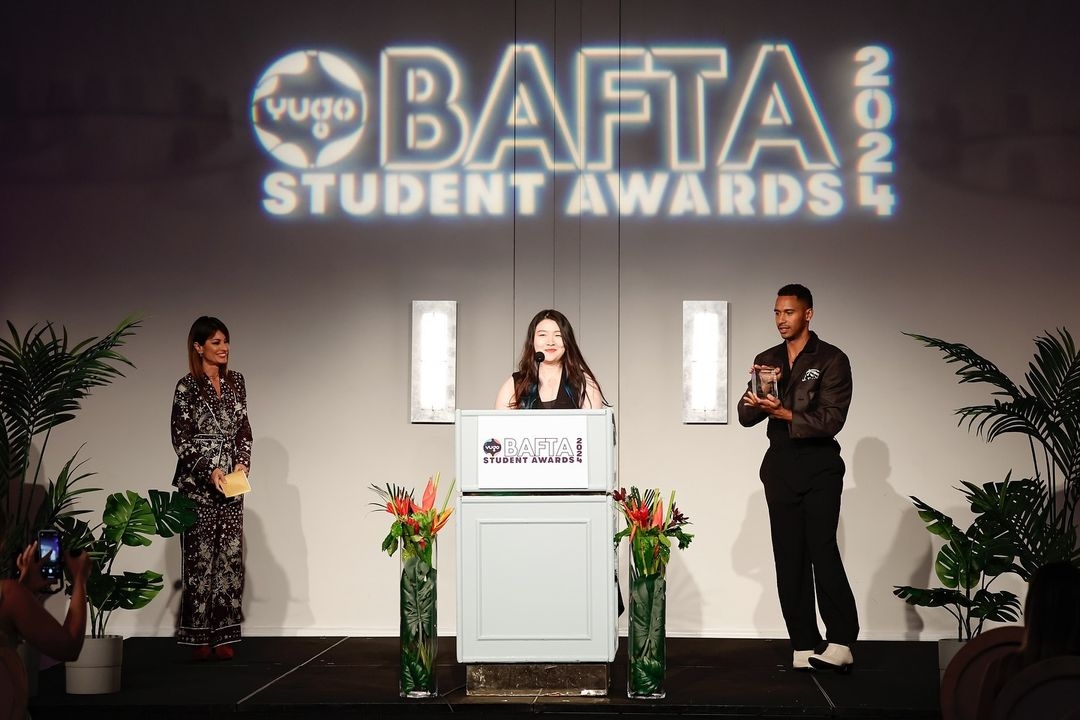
647,635
419,636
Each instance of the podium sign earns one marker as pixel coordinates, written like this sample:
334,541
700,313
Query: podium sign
535,451
521,452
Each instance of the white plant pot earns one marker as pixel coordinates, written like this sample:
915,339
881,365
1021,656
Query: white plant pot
97,669
946,651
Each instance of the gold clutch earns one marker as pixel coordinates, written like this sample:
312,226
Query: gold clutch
236,483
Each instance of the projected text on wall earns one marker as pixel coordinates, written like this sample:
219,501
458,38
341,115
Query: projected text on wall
646,132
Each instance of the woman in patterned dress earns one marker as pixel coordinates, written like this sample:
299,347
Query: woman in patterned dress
561,379
212,437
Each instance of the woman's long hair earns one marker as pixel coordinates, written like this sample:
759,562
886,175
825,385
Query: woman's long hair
202,330
576,372
1052,613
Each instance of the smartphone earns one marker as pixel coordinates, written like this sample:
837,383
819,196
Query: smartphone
50,553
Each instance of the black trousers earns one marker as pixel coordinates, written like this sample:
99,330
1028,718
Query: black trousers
802,489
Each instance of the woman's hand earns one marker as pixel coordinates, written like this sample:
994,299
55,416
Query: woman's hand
29,565
218,478
241,467
79,564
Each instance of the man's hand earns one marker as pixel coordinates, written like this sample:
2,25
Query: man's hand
772,407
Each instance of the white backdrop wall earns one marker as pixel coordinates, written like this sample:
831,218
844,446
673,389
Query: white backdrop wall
131,183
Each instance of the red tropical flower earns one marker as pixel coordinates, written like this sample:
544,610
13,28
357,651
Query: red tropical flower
415,525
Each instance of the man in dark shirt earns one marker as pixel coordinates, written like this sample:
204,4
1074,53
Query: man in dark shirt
803,475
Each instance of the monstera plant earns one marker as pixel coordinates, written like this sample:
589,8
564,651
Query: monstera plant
131,520
44,377
967,563
1030,521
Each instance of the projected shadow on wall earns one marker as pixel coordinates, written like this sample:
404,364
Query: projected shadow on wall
878,529
751,557
276,559
683,597
886,534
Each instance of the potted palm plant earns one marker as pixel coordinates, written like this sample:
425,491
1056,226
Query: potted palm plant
43,378
1036,514
1019,524
131,520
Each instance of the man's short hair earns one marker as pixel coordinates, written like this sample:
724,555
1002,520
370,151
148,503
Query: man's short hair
800,291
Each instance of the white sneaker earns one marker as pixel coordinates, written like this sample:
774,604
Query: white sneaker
800,660
833,657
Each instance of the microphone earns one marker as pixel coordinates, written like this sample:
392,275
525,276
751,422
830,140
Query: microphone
539,358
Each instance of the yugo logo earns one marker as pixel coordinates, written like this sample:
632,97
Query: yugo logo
309,109
769,155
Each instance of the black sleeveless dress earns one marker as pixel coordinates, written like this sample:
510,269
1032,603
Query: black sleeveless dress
565,400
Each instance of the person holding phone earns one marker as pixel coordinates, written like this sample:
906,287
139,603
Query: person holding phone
212,438
551,374
49,554
22,616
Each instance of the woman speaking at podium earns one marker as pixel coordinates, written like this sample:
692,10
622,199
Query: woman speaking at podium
551,374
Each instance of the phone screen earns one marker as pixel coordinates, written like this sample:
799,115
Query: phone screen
49,553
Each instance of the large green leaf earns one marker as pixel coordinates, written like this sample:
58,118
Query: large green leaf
415,675
937,522
1021,512
930,597
418,597
128,519
173,513
75,533
129,591
955,565
1000,606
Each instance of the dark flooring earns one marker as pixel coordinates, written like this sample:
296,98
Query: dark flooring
335,677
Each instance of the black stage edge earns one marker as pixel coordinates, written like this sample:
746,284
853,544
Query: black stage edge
332,677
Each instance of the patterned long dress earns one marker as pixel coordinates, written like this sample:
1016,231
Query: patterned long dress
211,432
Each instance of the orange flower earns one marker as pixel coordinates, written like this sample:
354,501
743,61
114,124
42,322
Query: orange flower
440,520
658,514
638,513
429,494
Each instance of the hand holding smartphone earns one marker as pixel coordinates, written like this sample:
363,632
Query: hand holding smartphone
50,554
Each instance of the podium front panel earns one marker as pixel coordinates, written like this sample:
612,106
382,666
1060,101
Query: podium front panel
536,580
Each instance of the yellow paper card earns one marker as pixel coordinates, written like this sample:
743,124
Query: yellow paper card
236,483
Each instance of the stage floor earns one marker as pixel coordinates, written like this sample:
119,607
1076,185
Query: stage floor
328,677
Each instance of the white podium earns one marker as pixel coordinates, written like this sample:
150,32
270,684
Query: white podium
536,559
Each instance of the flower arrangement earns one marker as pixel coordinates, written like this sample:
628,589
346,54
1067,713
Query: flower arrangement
650,529
415,526
414,529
